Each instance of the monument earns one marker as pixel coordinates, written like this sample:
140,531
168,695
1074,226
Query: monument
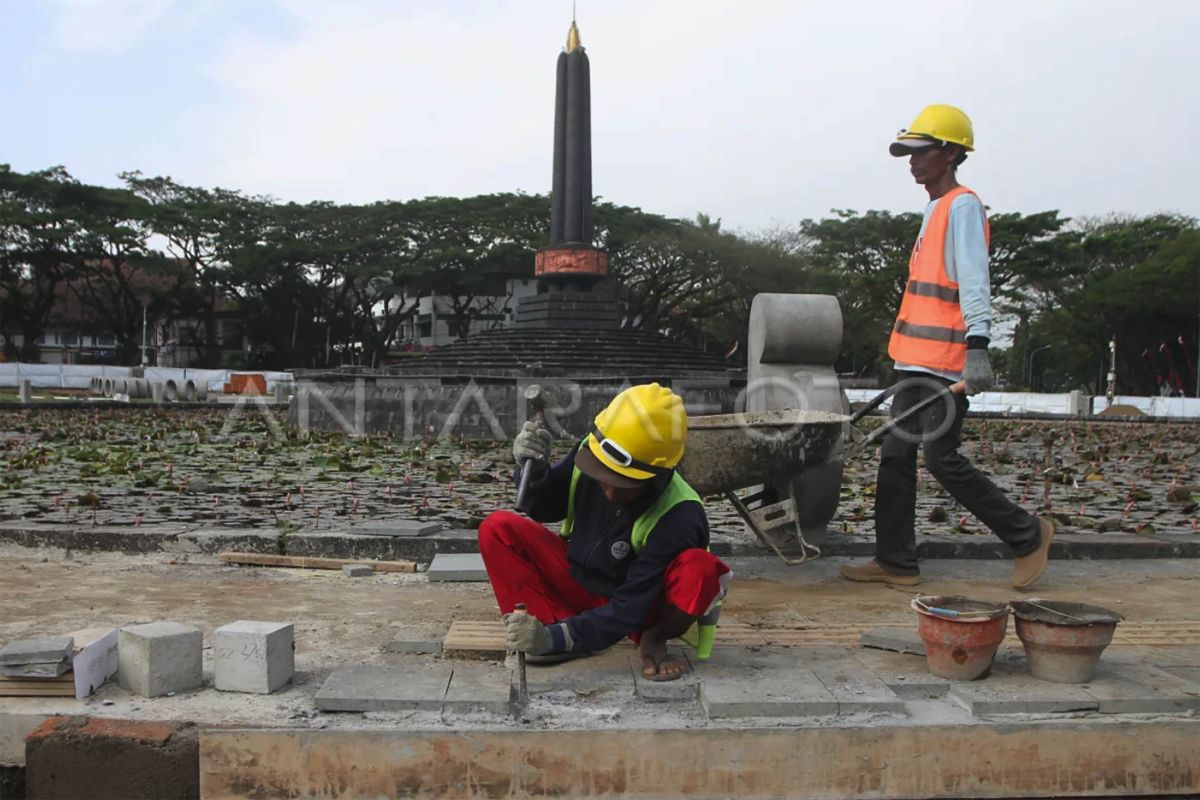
570,267
567,335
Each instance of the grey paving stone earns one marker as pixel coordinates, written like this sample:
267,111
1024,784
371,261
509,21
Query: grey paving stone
604,675
684,689
738,682
44,670
479,687
457,567
900,640
398,527
357,570
907,675
1018,692
43,650
384,688
856,689
1141,690
1189,674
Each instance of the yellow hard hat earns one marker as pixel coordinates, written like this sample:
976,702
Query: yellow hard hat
638,436
935,123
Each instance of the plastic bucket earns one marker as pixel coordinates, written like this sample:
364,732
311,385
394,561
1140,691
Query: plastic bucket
961,635
1063,641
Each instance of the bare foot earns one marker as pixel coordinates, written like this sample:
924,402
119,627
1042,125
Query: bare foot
657,663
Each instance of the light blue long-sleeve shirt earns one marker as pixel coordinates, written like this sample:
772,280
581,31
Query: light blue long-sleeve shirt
966,261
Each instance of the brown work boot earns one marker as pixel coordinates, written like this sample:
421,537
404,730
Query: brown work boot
1027,569
872,572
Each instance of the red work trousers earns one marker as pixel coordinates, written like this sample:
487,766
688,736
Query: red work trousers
527,563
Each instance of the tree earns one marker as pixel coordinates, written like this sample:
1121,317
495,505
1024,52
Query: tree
37,239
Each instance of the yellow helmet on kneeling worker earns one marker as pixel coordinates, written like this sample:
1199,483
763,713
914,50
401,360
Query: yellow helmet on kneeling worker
640,435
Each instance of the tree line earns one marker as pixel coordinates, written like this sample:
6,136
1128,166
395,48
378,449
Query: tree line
302,277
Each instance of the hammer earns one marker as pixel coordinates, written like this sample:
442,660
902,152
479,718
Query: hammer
535,398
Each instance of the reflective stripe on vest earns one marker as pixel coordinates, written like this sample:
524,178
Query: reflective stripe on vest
930,331
677,492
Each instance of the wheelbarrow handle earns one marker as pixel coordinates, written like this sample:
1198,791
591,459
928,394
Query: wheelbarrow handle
872,404
938,397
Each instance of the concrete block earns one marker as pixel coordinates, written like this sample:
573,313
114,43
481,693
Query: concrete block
1141,690
457,567
900,640
685,689
384,688
159,658
357,570
738,682
398,527
855,689
479,687
44,650
251,656
25,391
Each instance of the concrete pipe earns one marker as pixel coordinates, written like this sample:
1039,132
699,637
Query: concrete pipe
189,390
94,387
138,387
170,391
199,390
795,329
108,387
792,343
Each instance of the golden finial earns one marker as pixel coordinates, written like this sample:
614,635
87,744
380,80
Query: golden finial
573,42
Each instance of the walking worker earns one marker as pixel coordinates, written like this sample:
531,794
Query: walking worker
631,558
939,343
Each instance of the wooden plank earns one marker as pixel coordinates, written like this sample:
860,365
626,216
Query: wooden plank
67,678
312,562
65,691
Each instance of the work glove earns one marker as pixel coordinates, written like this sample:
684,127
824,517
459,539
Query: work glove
532,442
526,633
978,371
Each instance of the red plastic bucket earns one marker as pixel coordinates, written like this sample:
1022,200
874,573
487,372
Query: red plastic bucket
961,635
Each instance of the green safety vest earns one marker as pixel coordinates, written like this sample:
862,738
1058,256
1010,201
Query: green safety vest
677,492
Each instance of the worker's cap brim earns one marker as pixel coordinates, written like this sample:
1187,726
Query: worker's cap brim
592,467
907,146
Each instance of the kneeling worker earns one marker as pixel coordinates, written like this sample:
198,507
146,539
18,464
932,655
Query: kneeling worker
631,558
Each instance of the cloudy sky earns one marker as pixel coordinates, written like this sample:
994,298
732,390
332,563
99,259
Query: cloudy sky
760,112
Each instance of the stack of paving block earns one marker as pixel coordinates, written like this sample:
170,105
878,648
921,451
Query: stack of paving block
37,667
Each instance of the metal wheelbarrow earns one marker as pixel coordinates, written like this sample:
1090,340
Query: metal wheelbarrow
726,453
729,452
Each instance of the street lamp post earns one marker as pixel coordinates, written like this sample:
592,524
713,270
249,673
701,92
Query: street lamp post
1029,372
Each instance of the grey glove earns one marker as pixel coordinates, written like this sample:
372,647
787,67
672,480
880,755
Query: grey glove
526,633
978,372
532,442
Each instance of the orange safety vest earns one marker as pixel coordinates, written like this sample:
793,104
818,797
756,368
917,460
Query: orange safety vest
930,331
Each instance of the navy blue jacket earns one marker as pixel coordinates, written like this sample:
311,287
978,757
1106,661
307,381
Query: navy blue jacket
632,582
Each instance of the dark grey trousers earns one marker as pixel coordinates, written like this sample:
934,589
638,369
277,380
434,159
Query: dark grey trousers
938,430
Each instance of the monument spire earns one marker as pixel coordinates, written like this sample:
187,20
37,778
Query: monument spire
571,266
